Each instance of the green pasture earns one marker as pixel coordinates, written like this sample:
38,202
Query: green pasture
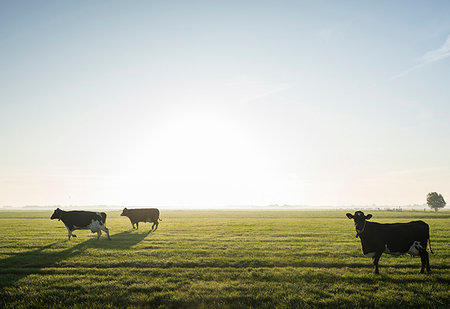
210,259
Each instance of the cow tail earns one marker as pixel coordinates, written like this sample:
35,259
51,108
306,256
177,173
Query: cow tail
429,243
160,219
104,217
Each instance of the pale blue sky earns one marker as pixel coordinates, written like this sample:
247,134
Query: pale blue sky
204,103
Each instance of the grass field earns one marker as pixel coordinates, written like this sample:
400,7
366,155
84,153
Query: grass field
264,259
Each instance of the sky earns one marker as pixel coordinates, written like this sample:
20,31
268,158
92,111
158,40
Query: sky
216,103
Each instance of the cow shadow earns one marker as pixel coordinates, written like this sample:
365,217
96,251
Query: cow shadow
21,265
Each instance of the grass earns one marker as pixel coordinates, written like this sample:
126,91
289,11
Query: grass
225,259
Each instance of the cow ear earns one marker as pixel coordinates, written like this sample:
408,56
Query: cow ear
349,215
368,216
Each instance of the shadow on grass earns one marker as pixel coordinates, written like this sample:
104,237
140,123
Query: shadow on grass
21,265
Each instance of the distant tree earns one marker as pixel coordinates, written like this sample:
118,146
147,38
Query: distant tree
435,201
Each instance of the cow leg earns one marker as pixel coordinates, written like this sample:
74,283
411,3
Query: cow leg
137,225
105,229
376,258
155,223
132,223
425,258
422,260
70,232
99,232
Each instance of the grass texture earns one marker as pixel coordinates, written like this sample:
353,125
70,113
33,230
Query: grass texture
216,259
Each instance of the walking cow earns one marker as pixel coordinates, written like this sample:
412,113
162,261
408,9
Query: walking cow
142,215
82,220
395,238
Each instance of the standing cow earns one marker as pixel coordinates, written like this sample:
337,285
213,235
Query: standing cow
395,238
142,215
82,220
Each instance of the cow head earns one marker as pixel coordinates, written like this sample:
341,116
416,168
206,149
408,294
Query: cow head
124,212
360,220
56,214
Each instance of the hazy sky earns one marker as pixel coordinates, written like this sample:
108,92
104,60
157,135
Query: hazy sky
208,103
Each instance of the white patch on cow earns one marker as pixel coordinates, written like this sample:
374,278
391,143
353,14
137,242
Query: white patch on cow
95,226
414,249
370,254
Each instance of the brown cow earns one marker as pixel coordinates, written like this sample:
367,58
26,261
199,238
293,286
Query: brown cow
142,215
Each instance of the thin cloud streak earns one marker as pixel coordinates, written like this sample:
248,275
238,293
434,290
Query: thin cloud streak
428,58
438,54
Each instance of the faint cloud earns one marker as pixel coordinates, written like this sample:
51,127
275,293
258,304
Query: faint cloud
428,58
437,54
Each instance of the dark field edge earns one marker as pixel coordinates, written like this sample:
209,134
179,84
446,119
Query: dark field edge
262,213
268,295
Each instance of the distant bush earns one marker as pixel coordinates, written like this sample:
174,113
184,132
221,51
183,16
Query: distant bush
435,201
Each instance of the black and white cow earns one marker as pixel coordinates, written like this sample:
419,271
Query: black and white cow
394,238
82,220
